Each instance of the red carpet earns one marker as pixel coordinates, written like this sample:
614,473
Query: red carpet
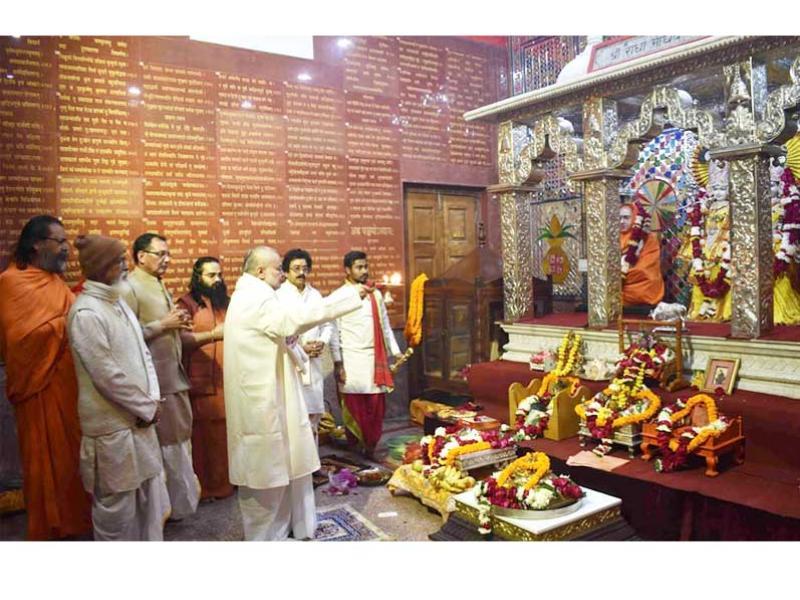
767,481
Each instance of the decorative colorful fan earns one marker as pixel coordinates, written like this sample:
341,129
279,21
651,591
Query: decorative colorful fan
659,198
700,166
793,155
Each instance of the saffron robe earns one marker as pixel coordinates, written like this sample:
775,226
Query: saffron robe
41,385
643,284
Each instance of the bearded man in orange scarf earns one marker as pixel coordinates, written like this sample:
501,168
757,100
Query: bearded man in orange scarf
41,382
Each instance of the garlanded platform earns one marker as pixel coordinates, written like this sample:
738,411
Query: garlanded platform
758,500
769,364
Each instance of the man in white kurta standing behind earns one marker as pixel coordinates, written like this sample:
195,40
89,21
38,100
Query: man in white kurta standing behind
296,266
271,450
118,402
361,346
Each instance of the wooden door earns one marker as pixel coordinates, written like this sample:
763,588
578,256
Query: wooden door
440,230
459,228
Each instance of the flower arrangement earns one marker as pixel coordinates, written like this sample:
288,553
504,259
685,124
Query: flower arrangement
525,484
626,400
700,270
447,444
568,354
538,360
641,226
533,412
786,231
675,452
609,410
649,350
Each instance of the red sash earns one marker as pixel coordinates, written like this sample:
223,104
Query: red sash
383,376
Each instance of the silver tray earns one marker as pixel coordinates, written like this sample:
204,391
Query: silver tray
550,513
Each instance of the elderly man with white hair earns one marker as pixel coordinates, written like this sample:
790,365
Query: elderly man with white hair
271,449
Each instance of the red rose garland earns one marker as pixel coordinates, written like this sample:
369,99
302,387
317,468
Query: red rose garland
632,250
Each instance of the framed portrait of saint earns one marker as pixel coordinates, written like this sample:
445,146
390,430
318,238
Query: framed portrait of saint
721,373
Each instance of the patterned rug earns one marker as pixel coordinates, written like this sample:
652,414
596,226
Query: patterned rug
343,523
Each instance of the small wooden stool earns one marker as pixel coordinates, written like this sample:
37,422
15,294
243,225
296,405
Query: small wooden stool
731,440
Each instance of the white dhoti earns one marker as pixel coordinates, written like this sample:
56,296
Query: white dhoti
182,483
175,438
138,515
272,513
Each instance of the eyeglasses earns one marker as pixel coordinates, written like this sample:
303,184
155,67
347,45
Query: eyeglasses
300,270
58,241
160,255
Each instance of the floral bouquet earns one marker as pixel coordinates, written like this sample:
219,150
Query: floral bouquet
675,451
531,418
625,401
525,484
538,360
448,443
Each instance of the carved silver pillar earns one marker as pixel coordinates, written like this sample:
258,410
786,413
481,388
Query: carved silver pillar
752,256
751,224
601,199
515,220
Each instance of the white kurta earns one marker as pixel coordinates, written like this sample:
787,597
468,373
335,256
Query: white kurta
313,380
353,343
270,441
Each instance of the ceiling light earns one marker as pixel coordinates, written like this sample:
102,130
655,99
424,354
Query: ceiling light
134,91
246,104
344,43
304,77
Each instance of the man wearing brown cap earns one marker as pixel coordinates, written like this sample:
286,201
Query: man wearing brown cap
161,323
119,401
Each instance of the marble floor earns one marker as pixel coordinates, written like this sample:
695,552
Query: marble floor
401,517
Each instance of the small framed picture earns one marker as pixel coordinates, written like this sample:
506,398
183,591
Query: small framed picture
721,373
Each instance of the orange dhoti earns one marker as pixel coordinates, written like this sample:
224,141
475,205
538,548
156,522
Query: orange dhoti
42,386
643,284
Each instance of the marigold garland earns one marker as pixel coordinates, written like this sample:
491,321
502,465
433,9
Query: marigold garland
538,462
525,484
568,353
675,452
416,304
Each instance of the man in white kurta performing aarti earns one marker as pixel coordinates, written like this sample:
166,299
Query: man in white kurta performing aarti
119,402
271,449
361,347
